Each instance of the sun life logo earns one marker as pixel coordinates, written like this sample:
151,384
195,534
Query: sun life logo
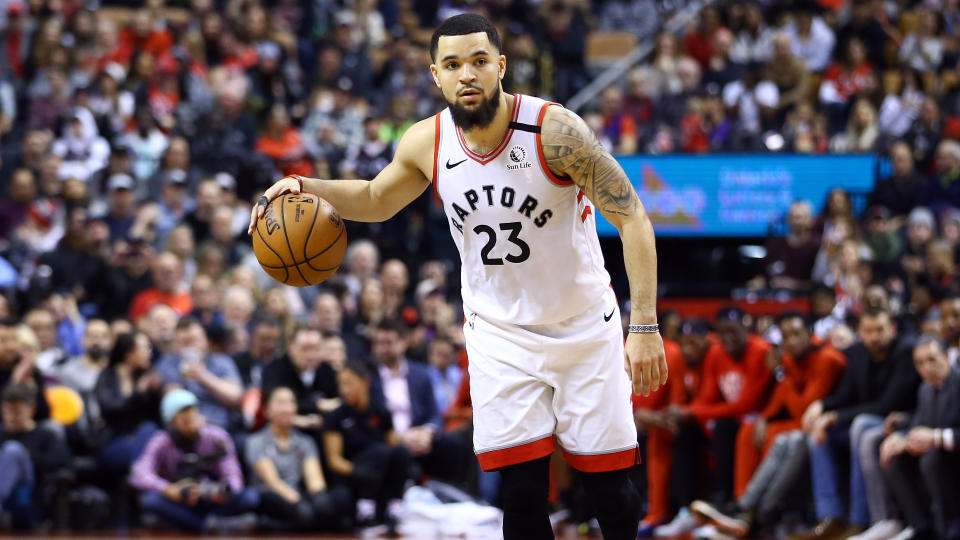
518,155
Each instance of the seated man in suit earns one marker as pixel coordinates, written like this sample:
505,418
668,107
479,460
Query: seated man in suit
302,370
923,462
404,387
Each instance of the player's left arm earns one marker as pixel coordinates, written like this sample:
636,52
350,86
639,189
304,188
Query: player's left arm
571,150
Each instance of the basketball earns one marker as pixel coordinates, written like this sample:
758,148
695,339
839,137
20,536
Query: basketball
300,240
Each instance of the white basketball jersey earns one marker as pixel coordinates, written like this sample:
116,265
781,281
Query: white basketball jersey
527,239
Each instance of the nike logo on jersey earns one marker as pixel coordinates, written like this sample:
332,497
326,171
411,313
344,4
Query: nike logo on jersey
606,318
449,166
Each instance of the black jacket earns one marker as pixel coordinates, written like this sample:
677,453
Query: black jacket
939,408
282,372
122,414
874,387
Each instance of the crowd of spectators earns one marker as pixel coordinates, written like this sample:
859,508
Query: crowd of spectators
133,138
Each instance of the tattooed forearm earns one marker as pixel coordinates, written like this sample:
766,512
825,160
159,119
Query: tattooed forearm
571,149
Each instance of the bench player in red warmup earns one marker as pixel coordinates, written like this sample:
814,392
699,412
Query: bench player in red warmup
521,179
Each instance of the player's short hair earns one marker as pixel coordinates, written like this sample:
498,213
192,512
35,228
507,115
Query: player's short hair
461,25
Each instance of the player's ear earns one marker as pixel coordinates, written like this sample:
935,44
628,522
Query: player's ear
502,61
433,71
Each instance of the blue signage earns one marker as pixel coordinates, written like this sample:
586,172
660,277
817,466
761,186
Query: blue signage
736,194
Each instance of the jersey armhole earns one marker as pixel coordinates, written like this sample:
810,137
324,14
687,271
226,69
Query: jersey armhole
543,162
436,152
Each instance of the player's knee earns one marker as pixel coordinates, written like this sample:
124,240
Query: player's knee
612,493
525,486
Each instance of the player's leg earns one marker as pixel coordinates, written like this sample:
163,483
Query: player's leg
513,423
595,426
524,488
614,501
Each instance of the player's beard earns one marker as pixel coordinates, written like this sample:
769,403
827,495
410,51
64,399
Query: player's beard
479,117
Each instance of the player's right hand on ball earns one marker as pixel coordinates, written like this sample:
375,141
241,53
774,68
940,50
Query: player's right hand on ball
287,184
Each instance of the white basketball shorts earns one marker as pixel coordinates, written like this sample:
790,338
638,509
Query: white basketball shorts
535,386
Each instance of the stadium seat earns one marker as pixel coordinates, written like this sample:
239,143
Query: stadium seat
605,48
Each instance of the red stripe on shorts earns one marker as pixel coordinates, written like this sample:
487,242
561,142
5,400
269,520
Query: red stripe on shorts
603,462
494,459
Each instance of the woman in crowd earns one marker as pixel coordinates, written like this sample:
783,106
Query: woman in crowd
128,392
361,446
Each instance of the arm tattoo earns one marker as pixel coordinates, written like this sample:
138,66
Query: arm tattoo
571,148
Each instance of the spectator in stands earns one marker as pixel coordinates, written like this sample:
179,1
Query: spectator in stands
753,102
722,69
212,378
404,388
281,142
22,190
847,78
361,446
754,42
805,370
790,259
83,150
128,395
565,35
167,273
869,28
788,72
862,131
899,111
29,453
313,382
147,144
287,473
265,340
810,37
189,474
445,374
699,42
927,450
943,190
81,372
879,379
121,191
921,226
618,126
923,48
900,192
174,167
734,384
371,156
44,326
925,133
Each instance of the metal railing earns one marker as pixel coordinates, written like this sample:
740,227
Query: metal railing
610,75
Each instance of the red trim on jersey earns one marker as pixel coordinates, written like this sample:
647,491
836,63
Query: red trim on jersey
543,162
492,155
436,152
494,459
579,195
603,462
586,212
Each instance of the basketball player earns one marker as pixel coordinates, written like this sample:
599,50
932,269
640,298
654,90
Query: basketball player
520,180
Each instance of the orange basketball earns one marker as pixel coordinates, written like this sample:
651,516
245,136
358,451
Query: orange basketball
300,240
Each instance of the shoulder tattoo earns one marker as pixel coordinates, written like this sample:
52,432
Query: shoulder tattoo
570,148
